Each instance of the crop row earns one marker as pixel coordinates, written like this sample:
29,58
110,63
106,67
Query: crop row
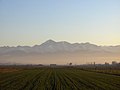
58,79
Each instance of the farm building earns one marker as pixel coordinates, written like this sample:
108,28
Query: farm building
53,65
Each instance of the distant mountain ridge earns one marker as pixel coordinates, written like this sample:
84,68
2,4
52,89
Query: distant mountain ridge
59,53
51,46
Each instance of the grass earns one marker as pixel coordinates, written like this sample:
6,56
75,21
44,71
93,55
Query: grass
58,79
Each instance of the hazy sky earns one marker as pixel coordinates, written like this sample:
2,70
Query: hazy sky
30,22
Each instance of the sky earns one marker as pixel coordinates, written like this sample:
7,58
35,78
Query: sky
31,22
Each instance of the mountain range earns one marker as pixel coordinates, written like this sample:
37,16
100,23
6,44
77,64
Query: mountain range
51,46
55,49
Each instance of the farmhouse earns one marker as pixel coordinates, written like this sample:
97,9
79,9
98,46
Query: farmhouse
53,65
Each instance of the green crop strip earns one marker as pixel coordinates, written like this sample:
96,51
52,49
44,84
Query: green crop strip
58,79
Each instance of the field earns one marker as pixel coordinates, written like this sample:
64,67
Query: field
47,78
